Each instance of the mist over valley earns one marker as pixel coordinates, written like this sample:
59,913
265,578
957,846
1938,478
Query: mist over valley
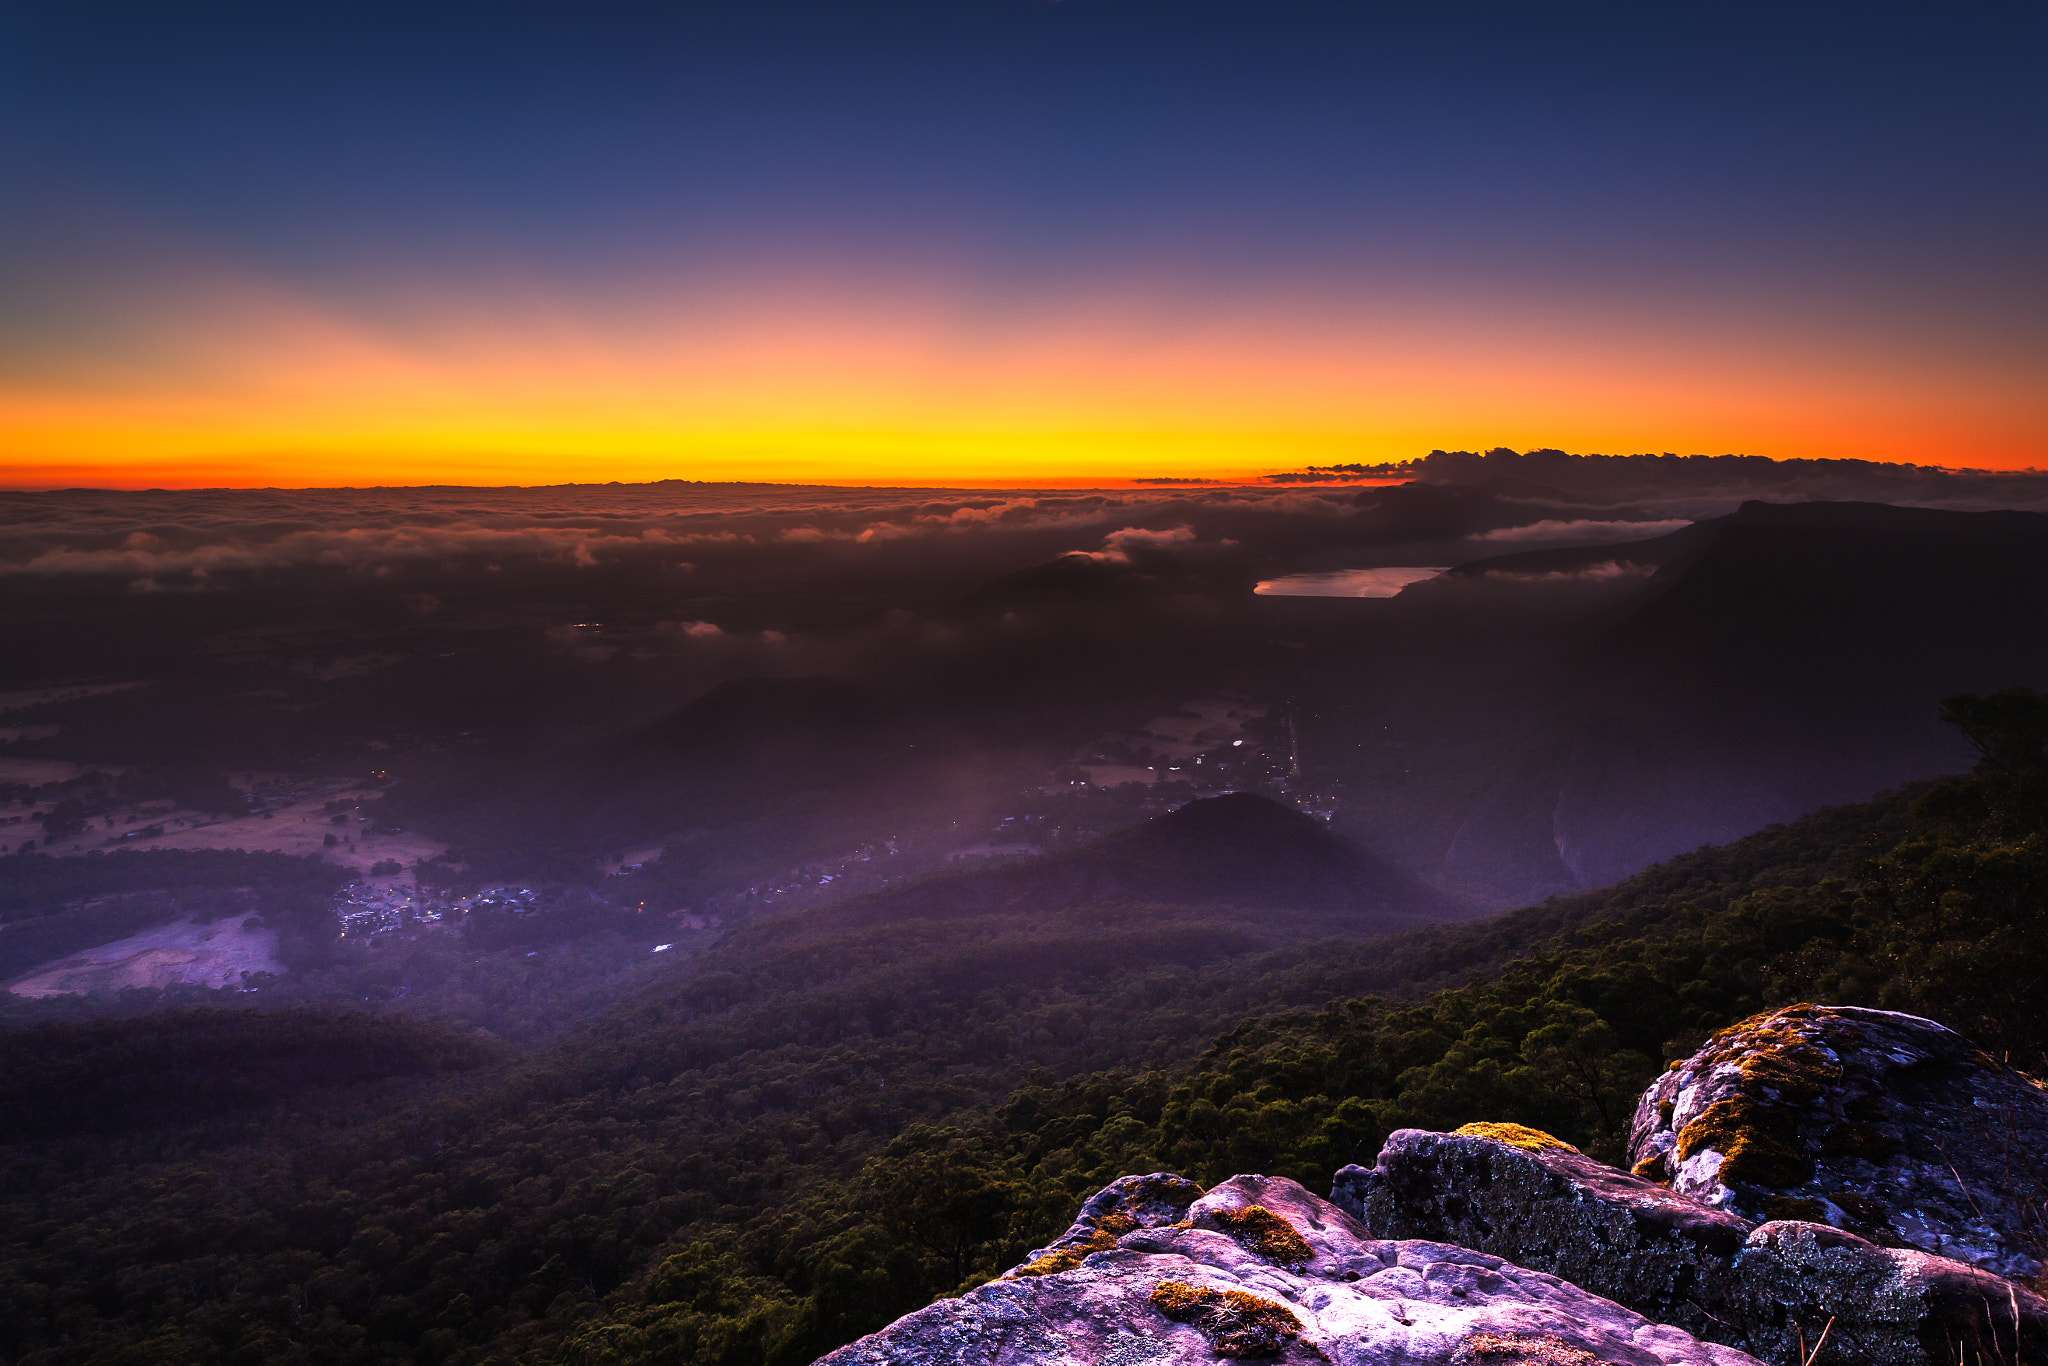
717,920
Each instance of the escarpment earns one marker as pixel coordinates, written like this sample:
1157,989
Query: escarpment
1752,1229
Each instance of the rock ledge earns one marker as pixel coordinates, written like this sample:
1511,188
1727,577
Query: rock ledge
1166,1291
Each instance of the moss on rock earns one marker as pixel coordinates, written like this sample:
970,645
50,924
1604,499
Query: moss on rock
1514,1135
1520,1349
1780,1056
1235,1323
1889,1126
1266,1235
1756,1142
1111,1228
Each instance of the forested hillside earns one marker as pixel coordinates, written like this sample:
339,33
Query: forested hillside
830,1123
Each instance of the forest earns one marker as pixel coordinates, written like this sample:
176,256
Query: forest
831,1123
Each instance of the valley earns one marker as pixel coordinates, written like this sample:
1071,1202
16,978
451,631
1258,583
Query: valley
799,683
472,992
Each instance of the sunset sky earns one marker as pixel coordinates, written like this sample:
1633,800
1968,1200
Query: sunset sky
997,240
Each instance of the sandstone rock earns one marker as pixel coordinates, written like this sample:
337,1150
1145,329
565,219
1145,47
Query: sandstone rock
1887,1125
1886,1302
1194,1290
1662,1254
1127,1203
1770,1290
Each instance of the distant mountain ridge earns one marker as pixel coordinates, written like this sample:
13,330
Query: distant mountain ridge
1239,850
1678,547
1615,478
1781,658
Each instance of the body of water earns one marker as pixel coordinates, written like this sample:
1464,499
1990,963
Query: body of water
1348,583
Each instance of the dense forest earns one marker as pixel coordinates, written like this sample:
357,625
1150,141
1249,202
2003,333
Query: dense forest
834,1118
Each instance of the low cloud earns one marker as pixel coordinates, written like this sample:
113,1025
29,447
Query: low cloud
693,630
1606,571
1581,531
182,539
1119,546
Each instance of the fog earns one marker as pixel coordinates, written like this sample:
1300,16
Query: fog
1508,677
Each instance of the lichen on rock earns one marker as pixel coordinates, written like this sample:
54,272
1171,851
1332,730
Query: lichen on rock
1514,1135
1236,1324
1769,1289
1887,1125
1664,1255
1265,1234
1111,1227
1183,1292
1519,1349
1124,1205
1756,1143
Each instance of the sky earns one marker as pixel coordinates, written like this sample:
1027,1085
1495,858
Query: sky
1007,241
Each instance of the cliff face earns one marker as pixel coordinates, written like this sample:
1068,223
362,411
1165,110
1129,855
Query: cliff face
1500,1246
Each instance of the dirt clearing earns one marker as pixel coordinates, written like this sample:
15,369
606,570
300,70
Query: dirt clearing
182,953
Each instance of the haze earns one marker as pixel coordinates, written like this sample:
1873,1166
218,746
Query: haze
673,674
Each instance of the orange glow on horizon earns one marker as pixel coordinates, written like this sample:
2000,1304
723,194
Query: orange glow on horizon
247,386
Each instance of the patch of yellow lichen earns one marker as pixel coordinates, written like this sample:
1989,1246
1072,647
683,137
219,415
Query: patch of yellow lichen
1235,1323
1111,1228
1778,1051
1753,1141
1521,1349
1790,1065
1785,1066
1514,1135
1266,1235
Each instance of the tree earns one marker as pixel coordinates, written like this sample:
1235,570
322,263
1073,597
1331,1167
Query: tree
942,1191
2009,731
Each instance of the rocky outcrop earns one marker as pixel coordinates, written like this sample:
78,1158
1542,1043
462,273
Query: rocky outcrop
1662,1254
1770,1289
1127,1203
1296,1281
1816,1175
1886,1125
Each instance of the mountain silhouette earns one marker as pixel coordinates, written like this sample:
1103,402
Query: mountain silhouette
1780,658
1237,850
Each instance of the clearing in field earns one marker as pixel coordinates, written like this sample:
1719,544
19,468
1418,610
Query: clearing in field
219,953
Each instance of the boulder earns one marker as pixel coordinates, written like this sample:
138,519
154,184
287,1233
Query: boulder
1771,1289
1887,1125
1296,1281
1550,1208
1127,1203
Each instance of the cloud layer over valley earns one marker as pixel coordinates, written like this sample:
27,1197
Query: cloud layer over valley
1513,726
